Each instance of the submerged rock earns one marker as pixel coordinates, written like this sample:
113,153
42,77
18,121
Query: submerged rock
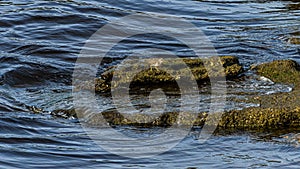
64,113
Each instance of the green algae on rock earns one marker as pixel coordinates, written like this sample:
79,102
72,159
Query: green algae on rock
166,119
246,119
280,71
261,118
275,111
172,70
280,110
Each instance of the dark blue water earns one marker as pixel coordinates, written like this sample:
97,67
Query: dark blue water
41,40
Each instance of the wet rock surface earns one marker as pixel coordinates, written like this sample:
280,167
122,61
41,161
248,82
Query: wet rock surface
280,71
275,111
147,72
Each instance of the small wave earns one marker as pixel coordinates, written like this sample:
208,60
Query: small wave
35,74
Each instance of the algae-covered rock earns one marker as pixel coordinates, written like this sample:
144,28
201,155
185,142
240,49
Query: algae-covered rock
275,111
280,71
246,119
261,118
166,71
166,119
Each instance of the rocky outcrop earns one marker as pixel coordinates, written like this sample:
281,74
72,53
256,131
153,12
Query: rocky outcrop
276,111
166,73
280,71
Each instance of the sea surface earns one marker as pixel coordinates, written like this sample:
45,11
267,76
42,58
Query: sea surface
41,41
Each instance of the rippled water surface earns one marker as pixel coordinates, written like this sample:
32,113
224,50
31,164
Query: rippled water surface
41,40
